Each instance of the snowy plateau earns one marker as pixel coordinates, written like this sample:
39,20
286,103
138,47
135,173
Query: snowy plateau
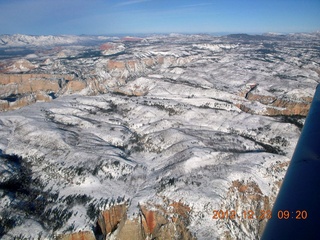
145,138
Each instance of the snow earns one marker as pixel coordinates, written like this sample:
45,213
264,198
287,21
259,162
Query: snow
185,139
24,231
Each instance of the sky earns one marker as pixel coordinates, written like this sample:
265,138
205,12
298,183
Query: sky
111,17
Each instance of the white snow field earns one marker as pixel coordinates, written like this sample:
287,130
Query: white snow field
184,139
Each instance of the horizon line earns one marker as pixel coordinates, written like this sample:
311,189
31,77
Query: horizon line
164,33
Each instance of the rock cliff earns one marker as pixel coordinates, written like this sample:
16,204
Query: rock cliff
152,222
149,142
19,90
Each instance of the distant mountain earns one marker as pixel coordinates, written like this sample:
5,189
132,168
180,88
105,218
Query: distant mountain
19,40
169,137
273,36
248,37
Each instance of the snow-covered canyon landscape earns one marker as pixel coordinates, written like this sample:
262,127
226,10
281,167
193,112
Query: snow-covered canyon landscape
148,137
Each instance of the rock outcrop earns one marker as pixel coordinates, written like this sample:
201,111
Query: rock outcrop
74,87
111,218
135,67
274,105
249,204
252,208
111,48
82,235
152,222
25,101
20,78
19,66
24,86
166,127
290,107
19,90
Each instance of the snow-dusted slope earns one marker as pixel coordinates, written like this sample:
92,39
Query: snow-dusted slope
108,147
176,121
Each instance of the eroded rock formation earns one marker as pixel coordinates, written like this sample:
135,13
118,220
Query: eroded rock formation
111,218
82,235
19,66
152,222
19,90
273,105
251,205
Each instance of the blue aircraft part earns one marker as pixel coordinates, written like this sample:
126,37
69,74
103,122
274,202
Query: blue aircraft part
296,212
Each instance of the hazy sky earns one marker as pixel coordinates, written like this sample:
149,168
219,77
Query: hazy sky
157,16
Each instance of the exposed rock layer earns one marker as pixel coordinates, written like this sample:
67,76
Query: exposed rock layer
83,235
30,88
275,106
158,223
166,126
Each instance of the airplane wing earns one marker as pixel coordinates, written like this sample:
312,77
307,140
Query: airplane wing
296,212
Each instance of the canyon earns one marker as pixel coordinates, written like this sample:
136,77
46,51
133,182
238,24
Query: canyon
145,138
